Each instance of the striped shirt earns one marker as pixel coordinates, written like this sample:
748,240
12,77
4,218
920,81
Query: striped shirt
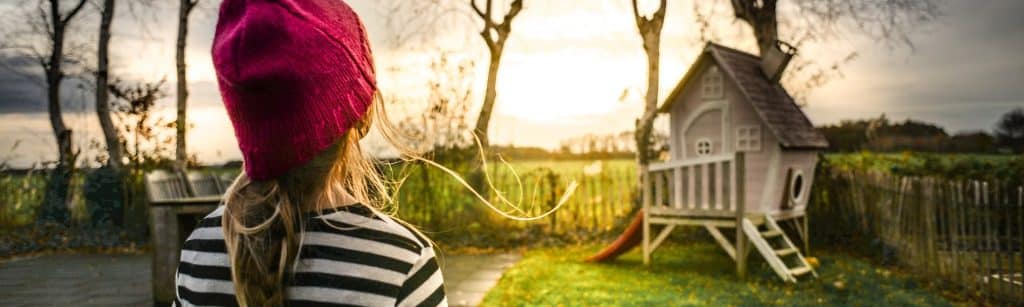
352,257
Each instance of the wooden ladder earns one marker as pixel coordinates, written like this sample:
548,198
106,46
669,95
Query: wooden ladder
785,259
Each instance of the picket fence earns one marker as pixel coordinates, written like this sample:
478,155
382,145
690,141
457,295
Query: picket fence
967,233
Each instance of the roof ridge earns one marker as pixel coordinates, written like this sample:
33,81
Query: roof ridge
732,50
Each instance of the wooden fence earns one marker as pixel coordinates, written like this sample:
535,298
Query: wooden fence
966,232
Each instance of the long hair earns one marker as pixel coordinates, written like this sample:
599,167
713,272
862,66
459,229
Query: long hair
263,220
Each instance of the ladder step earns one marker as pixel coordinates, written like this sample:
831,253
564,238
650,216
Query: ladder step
771,233
800,271
785,252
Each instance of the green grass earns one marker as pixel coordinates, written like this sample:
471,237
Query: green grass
696,274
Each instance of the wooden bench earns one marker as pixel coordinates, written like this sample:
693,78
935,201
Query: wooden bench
177,202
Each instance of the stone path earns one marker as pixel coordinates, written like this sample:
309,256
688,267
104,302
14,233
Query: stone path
124,280
76,280
469,277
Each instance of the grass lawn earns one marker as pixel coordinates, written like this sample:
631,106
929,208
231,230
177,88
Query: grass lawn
697,274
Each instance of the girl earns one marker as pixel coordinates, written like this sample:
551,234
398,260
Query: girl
300,225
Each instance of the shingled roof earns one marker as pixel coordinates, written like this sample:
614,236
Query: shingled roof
769,99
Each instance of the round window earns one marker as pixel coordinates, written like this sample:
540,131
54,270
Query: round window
797,186
703,147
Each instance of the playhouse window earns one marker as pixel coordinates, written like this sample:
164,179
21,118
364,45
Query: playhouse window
713,84
748,138
703,147
797,187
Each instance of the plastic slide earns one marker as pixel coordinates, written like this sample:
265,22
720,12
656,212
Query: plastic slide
629,239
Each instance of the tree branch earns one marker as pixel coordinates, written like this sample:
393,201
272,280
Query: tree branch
640,20
517,6
72,13
477,10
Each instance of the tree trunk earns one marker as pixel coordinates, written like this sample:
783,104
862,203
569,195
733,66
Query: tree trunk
115,151
490,94
55,201
645,125
181,124
760,15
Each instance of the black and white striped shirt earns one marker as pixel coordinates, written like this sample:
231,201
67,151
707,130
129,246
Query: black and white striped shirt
361,258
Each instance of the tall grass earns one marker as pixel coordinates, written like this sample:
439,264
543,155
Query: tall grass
440,205
21,195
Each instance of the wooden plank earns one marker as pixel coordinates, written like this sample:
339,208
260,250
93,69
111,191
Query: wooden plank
659,189
990,264
677,187
963,243
741,238
928,221
731,205
661,236
164,234
719,193
696,213
214,200
725,223
948,209
688,162
705,186
691,182
722,241
998,234
1020,234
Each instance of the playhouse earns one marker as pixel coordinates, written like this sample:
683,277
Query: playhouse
742,157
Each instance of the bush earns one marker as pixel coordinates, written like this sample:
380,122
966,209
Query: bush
104,196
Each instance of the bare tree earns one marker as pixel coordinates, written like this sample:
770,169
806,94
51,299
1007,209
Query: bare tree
181,150
443,124
807,22
884,20
115,151
495,33
55,23
650,31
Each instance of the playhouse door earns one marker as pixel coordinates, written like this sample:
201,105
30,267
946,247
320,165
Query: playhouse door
703,135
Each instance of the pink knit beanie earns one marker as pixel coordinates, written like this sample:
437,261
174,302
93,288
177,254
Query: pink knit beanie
294,75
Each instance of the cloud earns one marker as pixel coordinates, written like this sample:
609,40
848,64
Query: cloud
19,93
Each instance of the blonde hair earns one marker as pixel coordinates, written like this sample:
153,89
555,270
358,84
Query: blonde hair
263,220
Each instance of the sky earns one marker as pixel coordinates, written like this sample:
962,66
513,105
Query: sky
570,68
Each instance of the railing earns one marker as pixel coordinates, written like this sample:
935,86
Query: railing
706,186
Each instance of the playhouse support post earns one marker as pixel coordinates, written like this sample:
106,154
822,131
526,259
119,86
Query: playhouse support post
645,191
741,205
807,236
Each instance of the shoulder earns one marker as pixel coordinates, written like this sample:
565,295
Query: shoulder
207,237
367,223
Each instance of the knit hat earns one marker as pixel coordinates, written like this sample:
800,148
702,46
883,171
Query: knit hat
294,76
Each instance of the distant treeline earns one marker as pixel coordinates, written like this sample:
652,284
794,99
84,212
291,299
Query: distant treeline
881,135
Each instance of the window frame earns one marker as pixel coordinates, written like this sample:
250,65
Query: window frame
798,174
747,134
713,84
697,147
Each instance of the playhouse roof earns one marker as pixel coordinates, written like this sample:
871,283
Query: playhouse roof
769,99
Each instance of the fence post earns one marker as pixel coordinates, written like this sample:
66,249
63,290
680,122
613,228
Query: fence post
928,202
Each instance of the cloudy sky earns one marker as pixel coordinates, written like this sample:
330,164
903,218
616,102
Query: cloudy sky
564,72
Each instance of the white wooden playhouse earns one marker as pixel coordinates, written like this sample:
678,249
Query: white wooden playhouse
741,153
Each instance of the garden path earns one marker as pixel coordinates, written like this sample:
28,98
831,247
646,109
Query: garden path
124,280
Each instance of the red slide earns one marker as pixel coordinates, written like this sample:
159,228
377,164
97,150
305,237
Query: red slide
627,241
